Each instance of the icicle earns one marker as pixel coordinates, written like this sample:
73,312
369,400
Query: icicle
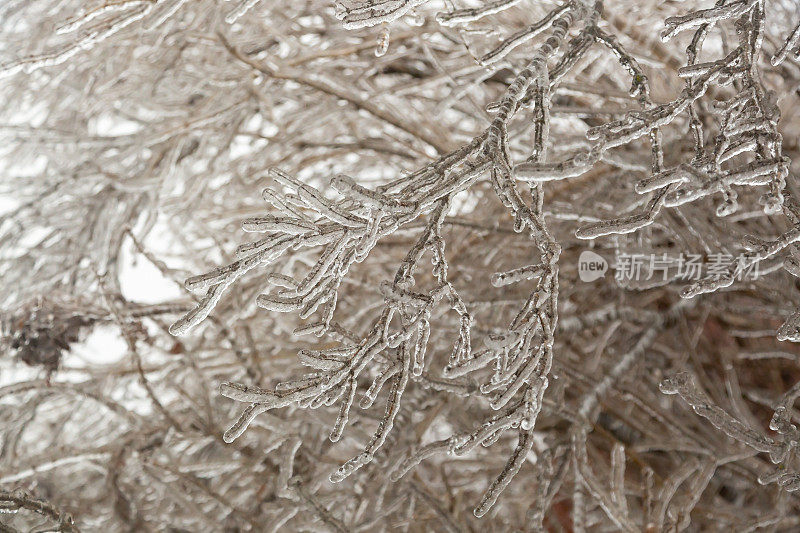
383,42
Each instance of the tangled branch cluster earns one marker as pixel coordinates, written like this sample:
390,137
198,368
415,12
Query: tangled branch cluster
429,180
